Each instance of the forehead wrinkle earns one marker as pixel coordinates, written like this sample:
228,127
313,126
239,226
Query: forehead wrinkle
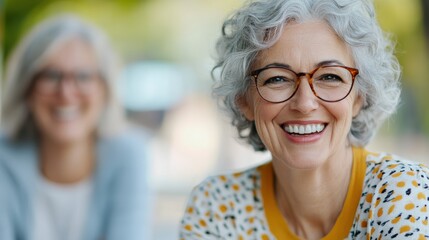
307,45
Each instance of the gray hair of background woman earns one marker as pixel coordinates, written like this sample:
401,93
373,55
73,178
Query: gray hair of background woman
27,59
258,26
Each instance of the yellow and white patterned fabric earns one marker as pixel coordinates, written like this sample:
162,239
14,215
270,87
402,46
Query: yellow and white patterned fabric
387,198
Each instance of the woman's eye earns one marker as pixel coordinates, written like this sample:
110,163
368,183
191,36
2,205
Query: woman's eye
52,76
84,76
277,80
330,77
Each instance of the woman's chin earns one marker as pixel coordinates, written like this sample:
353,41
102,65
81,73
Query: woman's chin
303,159
67,136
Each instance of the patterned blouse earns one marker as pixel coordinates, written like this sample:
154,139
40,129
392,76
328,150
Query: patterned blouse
387,198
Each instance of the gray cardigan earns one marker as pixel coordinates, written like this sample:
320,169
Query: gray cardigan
119,208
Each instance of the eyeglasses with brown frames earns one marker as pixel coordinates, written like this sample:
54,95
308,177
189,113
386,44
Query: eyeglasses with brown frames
330,83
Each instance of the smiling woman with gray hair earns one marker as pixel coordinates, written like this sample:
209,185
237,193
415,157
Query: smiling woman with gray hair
310,81
70,166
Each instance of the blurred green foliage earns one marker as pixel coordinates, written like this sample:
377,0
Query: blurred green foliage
172,30
21,15
404,19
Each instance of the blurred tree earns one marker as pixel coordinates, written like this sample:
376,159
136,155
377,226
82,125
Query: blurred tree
17,14
14,15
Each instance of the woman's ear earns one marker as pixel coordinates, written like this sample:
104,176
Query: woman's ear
357,105
245,106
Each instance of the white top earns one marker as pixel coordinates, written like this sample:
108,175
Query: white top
60,210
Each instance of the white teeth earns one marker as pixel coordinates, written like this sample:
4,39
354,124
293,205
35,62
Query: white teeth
308,129
295,129
304,129
301,129
66,113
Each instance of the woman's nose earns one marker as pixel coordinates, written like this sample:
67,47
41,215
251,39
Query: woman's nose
67,86
304,99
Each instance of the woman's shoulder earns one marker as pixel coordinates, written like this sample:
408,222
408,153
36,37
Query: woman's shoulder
386,165
396,181
232,182
395,197
7,145
18,166
224,205
16,151
222,189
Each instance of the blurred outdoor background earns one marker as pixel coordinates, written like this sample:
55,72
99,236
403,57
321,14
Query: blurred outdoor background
167,47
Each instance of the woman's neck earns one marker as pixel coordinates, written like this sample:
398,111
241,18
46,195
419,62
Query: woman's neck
67,163
311,200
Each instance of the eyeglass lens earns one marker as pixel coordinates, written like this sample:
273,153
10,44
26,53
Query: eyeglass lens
49,80
329,83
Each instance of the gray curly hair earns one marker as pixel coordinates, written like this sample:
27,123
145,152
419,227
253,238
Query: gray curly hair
258,25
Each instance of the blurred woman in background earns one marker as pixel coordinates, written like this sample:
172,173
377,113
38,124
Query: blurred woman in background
70,165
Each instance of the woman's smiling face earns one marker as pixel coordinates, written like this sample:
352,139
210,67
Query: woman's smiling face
65,112
303,47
